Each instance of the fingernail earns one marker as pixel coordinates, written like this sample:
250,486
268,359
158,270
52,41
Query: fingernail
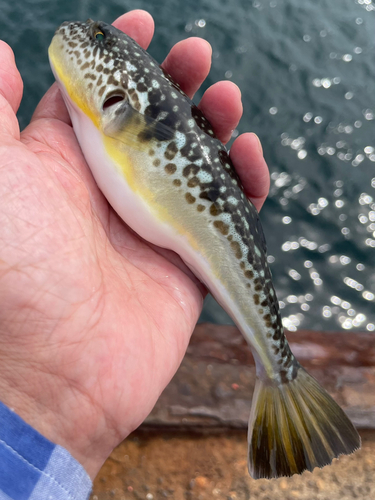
258,143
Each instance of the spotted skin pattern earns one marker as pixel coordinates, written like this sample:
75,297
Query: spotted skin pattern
157,160
182,147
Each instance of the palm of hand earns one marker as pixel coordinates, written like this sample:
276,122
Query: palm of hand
91,312
97,307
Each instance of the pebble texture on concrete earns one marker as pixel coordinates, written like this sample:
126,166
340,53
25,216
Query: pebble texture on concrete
164,465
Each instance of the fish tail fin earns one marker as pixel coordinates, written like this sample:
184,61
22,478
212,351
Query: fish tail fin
296,426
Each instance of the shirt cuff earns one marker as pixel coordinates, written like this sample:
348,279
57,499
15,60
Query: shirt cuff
34,468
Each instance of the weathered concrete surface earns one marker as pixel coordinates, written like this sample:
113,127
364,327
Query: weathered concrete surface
211,394
215,382
160,466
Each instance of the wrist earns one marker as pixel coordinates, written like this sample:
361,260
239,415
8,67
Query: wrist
62,415
32,465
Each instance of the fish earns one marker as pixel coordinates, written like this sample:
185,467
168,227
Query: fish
157,160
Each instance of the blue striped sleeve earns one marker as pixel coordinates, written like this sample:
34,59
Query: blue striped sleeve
33,468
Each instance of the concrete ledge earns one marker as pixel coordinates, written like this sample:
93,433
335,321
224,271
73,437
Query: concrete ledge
214,385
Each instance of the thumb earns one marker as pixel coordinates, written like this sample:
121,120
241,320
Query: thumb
11,87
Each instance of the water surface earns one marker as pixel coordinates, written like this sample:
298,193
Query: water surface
306,72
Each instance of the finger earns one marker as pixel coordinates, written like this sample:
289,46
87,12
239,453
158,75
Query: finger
221,105
189,63
11,87
52,106
138,24
247,156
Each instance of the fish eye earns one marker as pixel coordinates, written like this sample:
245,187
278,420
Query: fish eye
99,35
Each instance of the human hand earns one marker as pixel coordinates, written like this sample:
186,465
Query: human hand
94,320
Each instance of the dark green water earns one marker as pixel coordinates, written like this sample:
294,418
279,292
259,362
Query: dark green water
306,71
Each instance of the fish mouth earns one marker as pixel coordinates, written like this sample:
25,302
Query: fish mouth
68,39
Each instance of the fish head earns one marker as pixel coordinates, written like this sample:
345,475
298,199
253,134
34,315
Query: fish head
94,65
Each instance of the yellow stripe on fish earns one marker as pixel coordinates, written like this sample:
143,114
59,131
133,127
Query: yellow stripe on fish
157,160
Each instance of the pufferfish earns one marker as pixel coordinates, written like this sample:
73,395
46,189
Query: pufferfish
156,159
